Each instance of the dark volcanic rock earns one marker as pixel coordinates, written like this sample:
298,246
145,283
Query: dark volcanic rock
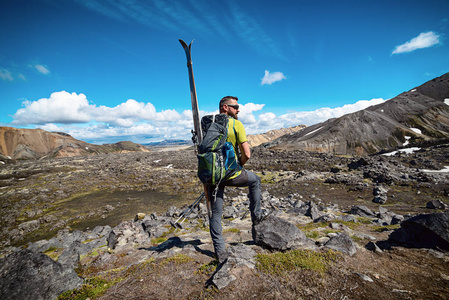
436,204
424,231
380,194
30,275
362,211
278,234
343,243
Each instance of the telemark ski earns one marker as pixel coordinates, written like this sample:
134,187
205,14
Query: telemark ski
197,133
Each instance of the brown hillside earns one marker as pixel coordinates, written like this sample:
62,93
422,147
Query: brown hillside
258,139
18,143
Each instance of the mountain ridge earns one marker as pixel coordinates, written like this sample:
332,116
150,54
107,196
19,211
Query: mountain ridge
20,143
418,116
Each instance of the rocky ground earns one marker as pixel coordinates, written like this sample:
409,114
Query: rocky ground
41,199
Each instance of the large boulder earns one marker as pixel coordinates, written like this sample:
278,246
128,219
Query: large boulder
238,265
342,243
424,231
362,211
33,275
277,234
436,204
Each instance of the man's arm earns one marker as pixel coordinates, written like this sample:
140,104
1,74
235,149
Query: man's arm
245,151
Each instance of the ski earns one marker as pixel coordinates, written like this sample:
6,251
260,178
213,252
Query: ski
197,132
198,136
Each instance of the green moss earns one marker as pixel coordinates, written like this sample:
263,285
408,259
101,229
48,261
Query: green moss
386,228
54,252
282,263
178,259
207,269
92,288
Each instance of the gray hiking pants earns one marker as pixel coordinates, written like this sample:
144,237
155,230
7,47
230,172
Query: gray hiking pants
246,178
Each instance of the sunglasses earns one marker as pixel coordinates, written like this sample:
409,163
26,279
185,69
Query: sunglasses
233,106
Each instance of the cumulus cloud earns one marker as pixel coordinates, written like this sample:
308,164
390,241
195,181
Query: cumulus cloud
42,69
269,121
424,40
270,78
61,107
141,122
246,112
67,108
72,113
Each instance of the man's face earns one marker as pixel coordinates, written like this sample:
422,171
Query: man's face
232,109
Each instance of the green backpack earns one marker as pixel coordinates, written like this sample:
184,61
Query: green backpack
216,157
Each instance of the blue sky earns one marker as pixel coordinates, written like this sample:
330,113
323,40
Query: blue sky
106,71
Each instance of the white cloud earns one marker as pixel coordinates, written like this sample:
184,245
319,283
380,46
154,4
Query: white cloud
142,123
424,40
246,112
6,75
67,108
129,120
61,107
42,69
269,121
270,78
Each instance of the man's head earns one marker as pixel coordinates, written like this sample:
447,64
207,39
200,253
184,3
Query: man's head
228,105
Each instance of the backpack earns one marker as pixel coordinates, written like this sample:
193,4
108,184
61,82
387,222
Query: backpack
216,157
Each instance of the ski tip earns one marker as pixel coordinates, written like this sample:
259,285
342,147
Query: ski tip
184,45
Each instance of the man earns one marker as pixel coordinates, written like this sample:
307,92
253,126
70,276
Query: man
237,136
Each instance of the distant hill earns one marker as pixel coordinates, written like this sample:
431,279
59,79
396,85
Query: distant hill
417,116
168,143
253,139
257,139
18,143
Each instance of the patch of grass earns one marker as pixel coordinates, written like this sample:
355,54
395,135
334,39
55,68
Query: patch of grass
364,220
159,240
233,230
54,252
386,228
356,238
311,226
92,288
282,263
312,234
207,269
352,225
178,259
268,178
311,229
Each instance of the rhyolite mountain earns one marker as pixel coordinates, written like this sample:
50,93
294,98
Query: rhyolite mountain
261,138
19,143
418,116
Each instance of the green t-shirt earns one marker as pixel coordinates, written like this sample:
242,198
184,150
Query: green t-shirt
236,135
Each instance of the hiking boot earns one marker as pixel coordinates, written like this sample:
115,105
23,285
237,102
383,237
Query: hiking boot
265,213
222,256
